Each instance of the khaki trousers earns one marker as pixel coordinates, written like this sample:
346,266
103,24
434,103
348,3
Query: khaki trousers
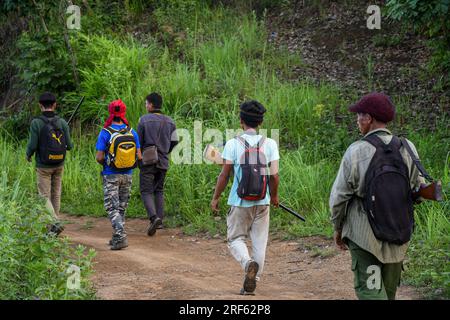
49,186
250,222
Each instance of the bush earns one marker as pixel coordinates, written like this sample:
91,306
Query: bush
33,263
430,18
44,63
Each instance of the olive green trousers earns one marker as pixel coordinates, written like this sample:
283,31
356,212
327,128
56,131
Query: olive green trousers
373,280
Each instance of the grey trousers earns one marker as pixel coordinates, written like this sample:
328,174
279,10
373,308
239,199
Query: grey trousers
151,185
250,222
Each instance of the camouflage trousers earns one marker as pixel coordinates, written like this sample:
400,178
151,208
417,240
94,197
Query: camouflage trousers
116,190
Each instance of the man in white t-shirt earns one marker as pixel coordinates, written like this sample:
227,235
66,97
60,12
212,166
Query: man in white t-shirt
249,218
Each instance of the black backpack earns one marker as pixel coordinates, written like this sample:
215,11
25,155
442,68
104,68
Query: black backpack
254,180
388,198
52,141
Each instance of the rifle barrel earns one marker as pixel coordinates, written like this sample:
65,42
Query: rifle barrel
76,109
282,206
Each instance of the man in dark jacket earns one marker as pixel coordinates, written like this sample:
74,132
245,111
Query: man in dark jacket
49,173
155,130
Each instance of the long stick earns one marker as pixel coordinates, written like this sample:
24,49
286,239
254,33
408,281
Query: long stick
21,98
282,206
76,109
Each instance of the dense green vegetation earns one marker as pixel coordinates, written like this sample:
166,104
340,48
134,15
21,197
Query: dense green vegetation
34,264
204,59
431,18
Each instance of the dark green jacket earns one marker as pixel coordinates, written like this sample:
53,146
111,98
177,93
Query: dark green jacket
33,141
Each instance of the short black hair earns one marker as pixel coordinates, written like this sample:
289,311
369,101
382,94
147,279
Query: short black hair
155,99
252,113
47,99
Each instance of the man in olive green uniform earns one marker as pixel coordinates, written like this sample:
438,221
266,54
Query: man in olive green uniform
49,176
376,264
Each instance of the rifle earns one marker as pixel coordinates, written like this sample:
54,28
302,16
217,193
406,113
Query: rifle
76,109
282,206
430,191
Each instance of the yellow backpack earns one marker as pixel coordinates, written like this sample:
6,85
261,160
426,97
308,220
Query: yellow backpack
121,151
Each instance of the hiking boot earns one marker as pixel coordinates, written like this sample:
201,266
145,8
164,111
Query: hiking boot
160,227
119,242
56,229
111,241
153,226
250,277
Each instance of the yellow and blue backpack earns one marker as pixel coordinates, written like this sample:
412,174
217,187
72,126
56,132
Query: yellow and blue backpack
121,151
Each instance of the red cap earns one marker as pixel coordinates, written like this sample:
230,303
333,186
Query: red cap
378,105
116,109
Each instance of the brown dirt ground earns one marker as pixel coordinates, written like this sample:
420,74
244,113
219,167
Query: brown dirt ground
171,265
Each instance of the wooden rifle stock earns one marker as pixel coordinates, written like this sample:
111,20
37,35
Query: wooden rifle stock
431,191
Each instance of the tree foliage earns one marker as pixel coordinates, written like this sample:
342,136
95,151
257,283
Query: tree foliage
430,18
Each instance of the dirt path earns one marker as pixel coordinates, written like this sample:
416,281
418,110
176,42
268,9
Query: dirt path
171,265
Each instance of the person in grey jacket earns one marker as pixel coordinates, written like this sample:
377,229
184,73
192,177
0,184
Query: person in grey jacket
372,258
159,130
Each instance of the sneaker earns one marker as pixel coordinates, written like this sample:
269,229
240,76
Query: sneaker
153,226
119,242
250,276
245,293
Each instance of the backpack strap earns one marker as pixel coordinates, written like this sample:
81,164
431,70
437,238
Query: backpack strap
44,118
246,147
376,141
111,130
395,142
243,142
261,142
416,161
54,121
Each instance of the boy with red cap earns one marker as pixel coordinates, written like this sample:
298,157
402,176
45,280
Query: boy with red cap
371,203
117,175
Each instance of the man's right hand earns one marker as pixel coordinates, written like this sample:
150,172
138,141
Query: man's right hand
215,205
338,240
275,201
